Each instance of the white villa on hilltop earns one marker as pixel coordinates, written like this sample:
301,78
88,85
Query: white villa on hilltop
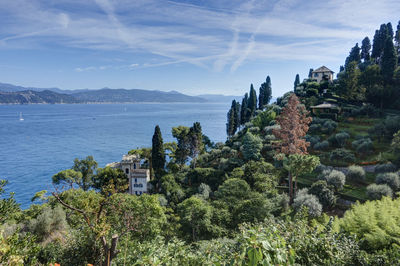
322,73
138,178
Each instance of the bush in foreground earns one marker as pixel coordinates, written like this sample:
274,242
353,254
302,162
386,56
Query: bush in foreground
390,179
376,192
303,199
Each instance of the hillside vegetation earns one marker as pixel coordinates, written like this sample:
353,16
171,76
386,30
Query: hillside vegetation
290,186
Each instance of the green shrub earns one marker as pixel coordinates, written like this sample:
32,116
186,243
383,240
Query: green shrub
392,125
315,128
390,179
376,192
334,178
329,126
384,168
341,138
303,199
375,223
321,145
325,196
342,155
312,139
356,173
320,168
362,146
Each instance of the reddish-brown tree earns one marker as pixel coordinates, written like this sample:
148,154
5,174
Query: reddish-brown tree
293,121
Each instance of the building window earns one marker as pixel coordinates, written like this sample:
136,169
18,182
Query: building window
127,170
135,180
315,75
134,166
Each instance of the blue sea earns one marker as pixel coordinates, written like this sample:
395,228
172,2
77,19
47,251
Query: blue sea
51,136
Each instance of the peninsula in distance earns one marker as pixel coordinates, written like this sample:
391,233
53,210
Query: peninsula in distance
11,94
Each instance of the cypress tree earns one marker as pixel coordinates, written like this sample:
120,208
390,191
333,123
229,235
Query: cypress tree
261,97
375,45
244,110
233,119
267,90
230,123
365,49
310,73
158,154
397,40
389,60
296,81
236,115
379,42
390,32
353,56
252,104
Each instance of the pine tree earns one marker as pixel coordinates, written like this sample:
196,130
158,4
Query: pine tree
365,49
196,142
389,60
310,73
296,81
158,154
252,104
244,110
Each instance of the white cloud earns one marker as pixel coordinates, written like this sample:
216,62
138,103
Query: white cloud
217,36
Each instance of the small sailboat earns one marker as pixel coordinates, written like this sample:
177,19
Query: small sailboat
20,117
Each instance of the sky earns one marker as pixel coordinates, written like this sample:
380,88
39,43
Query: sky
194,47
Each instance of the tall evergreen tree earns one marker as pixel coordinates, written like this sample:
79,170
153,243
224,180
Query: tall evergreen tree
265,93
261,97
232,119
389,60
244,110
390,32
365,49
353,56
157,154
296,81
397,41
236,115
230,123
310,73
252,104
379,42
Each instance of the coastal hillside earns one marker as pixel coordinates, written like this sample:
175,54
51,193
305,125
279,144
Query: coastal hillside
12,94
35,97
133,96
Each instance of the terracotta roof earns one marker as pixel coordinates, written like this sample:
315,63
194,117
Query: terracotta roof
323,69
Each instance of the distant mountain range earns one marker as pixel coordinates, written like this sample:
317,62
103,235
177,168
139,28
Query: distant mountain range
12,94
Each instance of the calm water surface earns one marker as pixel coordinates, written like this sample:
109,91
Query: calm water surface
51,136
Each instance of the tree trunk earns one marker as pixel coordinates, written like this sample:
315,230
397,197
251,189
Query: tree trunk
110,252
290,189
